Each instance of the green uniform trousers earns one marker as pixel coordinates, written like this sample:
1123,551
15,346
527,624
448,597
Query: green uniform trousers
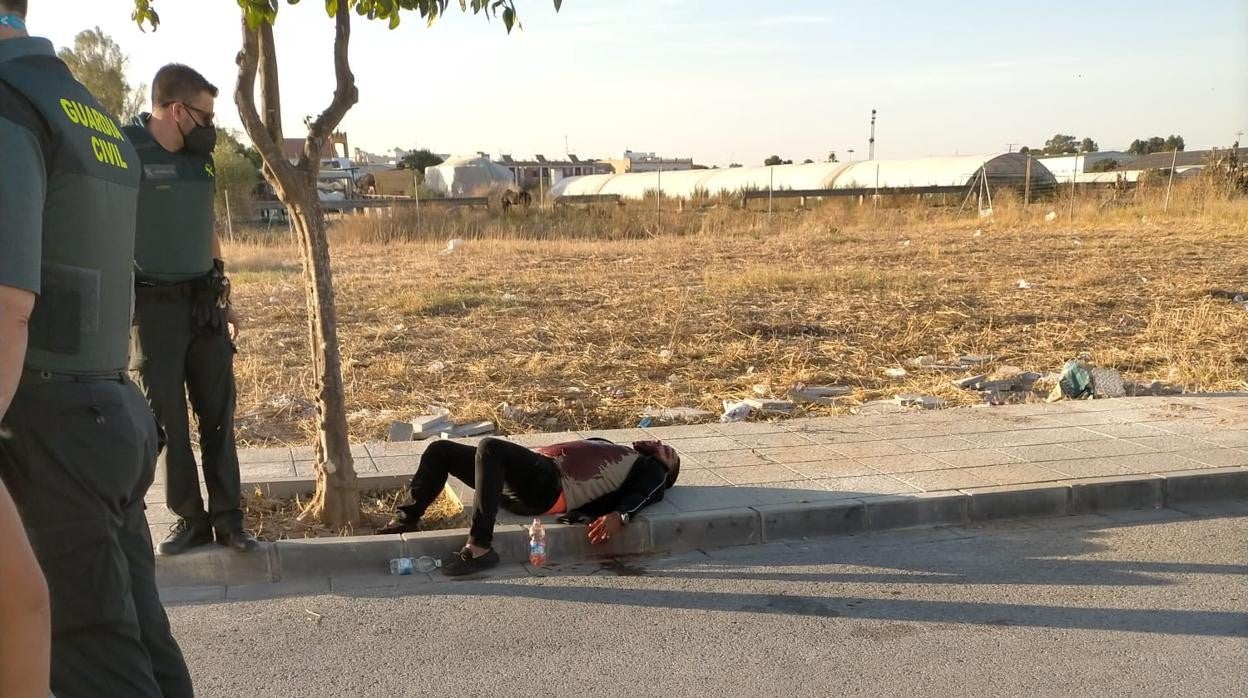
78,457
171,359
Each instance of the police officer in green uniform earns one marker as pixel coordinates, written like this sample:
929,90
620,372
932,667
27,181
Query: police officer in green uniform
182,342
78,444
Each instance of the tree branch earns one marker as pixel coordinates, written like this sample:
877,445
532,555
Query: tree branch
345,92
245,98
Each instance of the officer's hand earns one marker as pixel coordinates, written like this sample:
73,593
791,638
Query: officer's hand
603,527
234,322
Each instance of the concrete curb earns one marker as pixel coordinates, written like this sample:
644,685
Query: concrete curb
668,533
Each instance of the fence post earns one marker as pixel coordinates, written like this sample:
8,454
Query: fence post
1174,159
1074,173
229,218
771,187
1027,183
658,201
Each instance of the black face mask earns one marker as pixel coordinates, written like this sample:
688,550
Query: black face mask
200,140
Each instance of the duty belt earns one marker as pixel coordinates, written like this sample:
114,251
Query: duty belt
166,293
32,375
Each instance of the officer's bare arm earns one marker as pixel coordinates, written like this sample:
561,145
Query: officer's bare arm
15,307
25,616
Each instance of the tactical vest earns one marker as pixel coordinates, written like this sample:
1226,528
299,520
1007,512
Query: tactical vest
81,321
173,241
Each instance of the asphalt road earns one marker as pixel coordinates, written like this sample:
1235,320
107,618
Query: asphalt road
1144,603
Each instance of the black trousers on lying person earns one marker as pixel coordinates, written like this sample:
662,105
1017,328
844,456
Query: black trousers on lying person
500,472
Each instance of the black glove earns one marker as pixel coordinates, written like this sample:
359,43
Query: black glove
574,517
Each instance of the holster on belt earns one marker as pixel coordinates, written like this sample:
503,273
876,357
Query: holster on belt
210,300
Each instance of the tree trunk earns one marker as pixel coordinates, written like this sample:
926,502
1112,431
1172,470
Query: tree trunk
336,502
337,499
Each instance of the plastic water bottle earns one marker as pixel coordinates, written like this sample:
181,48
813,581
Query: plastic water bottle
406,565
537,544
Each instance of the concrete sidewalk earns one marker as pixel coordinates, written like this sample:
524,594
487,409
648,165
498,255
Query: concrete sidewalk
745,482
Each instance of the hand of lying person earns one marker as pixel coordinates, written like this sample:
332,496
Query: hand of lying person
604,527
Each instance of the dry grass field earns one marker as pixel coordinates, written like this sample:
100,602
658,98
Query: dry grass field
580,319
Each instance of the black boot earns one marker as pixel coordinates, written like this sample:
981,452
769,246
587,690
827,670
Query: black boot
184,535
238,539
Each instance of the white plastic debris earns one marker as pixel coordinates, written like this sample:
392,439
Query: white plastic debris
978,233
452,245
1050,216
509,297
1024,284
761,389
435,367
665,354
735,411
895,372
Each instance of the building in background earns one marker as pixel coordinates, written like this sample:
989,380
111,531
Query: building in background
648,162
540,172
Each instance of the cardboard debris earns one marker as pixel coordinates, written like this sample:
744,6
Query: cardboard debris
401,431
675,414
781,406
927,402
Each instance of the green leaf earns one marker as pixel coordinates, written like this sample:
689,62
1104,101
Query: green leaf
509,18
558,5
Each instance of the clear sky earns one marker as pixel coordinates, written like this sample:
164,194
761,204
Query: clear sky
734,80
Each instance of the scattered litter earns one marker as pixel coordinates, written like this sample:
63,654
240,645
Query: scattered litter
1078,242
895,372
1107,383
1153,388
735,411
665,354
617,391
472,429
971,383
975,359
927,402
435,367
1024,284
429,425
978,233
818,394
645,422
675,379
905,243
509,297
875,407
401,431
452,245
780,406
509,411
1050,216
674,414
985,213
749,371
313,615
761,389
1076,382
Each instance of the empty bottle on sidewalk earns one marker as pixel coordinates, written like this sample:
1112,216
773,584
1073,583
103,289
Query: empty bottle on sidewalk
537,544
406,565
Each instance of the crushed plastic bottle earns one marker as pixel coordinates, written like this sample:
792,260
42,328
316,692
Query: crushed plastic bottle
406,565
537,544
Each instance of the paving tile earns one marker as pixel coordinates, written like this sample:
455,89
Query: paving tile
869,449
1124,431
1169,444
1016,473
725,459
688,499
1154,462
681,431
531,440
700,478
390,465
796,492
1090,467
832,467
1191,427
619,436
796,454
1109,447
978,426
936,480
704,443
308,453
1219,457
1032,437
1042,452
838,436
389,449
758,474
248,456
869,485
252,472
1235,439
934,444
974,458
904,463
739,428
784,438
904,431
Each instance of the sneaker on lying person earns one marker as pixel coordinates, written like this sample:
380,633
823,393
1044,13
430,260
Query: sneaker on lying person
464,563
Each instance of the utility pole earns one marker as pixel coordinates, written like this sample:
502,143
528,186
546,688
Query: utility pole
871,141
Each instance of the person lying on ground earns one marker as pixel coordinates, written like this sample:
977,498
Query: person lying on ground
593,481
